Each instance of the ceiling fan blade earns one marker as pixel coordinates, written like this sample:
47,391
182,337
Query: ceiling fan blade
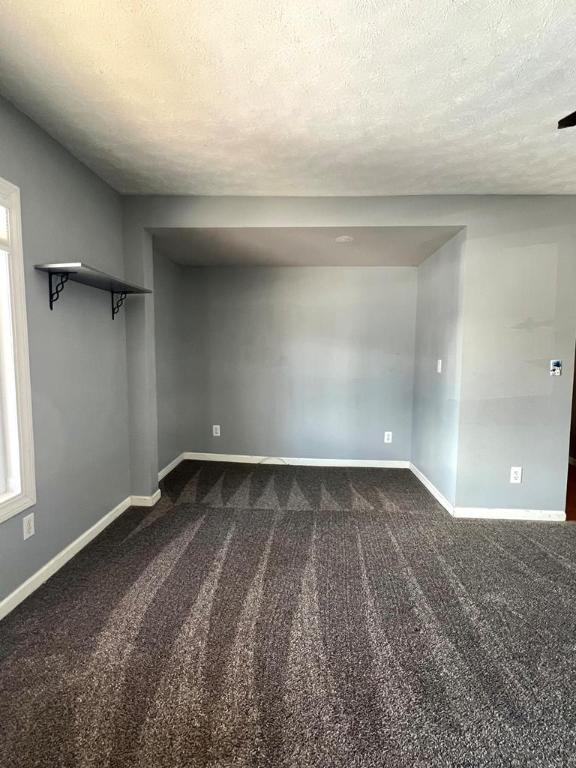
567,122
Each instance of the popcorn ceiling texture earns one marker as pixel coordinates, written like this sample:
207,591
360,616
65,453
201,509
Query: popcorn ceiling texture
355,97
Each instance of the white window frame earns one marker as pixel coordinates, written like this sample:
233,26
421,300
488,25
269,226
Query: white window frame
21,473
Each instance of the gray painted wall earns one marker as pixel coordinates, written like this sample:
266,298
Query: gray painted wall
437,395
518,280
174,357
94,445
501,231
301,362
519,313
78,355
141,360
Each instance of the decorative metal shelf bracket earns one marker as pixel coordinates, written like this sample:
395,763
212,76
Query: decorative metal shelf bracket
117,300
77,272
56,290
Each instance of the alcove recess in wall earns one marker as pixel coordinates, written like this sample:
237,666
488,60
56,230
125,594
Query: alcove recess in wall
59,274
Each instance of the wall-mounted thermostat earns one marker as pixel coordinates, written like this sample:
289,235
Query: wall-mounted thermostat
555,367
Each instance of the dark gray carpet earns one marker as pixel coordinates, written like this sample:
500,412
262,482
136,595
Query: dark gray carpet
312,618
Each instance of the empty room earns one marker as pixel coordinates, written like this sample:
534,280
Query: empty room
287,403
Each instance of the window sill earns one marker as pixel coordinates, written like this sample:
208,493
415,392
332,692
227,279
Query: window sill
13,503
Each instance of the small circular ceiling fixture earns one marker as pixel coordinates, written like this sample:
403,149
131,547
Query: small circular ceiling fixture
344,239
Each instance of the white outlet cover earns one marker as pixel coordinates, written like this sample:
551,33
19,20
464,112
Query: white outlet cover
515,475
439,366
387,437
216,430
28,525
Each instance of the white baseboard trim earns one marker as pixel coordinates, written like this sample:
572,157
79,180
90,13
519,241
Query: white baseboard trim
491,513
43,574
37,579
145,501
440,498
279,460
169,467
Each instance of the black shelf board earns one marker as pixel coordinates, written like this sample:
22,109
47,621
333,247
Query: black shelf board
83,273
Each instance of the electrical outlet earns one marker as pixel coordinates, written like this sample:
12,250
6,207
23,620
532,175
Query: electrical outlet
515,474
387,437
28,525
216,430
439,366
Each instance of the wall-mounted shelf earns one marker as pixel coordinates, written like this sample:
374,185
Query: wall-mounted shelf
59,274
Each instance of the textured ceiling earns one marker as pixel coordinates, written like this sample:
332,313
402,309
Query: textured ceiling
309,246
293,97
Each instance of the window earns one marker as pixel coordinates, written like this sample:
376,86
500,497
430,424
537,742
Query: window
17,487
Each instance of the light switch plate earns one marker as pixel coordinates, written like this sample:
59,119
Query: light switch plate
216,430
439,366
